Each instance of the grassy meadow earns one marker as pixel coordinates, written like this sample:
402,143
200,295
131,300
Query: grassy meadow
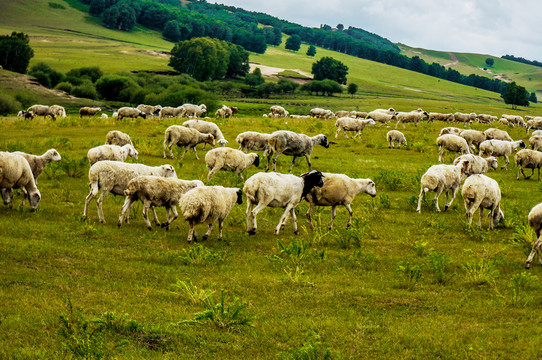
397,285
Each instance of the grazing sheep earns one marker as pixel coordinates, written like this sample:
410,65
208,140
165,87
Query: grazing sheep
114,176
130,112
320,113
115,137
414,116
486,119
111,152
442,178
535,222
464,118
207,127
58,110
88,111
104,116
453,143
382,116
224,112
505,122
359,114
537,133
497,134
300,116
15,173
191,110
440,117
473,138
234,110
477,164
169,111
514,120
395,135
278,190
535,142
338,189
39,162
350,124
530,159
253,141
343,113
23,114
206,205
534,123
188,138
293,144
500,148
480,191
279,111
148,110
230,160
451,130
154,191
41,110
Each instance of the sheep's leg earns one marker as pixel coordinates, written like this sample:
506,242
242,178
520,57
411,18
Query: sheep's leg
213,172
165,148
420,199
345,134
255,212
480,220
505,166
25,194
294,219
520,170
146,206
125,206
437,195
170,220
454,192
156,221
358,134
535,251
220,226
309,215
251,222
192,233
99,203
440,153
337,132
293,163
185,150
349,208
308,157
282,218
275,162
195,153
333,213
398,121
269,155
93,192
208,233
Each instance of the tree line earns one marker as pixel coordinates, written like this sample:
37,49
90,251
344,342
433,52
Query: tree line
522,60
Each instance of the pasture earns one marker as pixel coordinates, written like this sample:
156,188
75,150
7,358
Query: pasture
396,285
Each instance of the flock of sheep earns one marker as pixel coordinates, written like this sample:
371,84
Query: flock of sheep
200,204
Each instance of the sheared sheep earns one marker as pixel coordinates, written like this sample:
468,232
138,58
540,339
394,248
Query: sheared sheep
293,144
350,124
473,138
191,110
478,164
253,141
42,110
453,143
88,111
338,189
111,152
114,176
535,222
130,112
39,162
15,173
480,191
414,116
442,178
186,137
278,190
230,160
393,136
500,148
530,159
115,137
207,127
206,205
497,134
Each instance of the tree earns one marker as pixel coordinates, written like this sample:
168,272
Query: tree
352,89
490,62
255,78
340,27
311,51
120,17
533,98
515,95
238,63
293,43
15,52
329,68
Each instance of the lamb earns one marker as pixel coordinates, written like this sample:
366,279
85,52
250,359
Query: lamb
338,189
114,176
478,164
169,111
229,159
188,138
530,159
453,143
497,134
500,148
382,116
224,112
440,117
464,118
41,110
111,152
15,173
349,124
535,142
156,191
208,128
473,138
451,130
130,112
395,135
253,141
38,163
278,190
206,205
23,114
481,191
442,178
535,222
148,110
505,122
414,116
58,110
115,137
279,111
191,110
293,144
88,111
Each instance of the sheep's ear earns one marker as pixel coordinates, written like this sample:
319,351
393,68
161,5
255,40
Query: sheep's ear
239,196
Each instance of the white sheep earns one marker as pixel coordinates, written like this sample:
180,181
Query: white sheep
320,113
299,116
395,135
535,142
481,191
453,143
534,123
188,138
464,118
278,190
414,116
206,205
537,133
343,113
115,137
208,128
433,116
338,189
293,144
114,176
500,148
104,116
224,112
535,222
155,191
58,110
497,134
530,159
253,141
486,119
350,124
88,111
130,112
382,116
191,110
169,111
478,164
41,110
473,138
39,162
451,130
15,173
111,152
279,111
442,178
359,114
230,160
149,110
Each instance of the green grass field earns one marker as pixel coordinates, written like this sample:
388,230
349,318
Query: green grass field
399,284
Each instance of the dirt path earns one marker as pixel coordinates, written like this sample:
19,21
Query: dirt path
454,60
274,71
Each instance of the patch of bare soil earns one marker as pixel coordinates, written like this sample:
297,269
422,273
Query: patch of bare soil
270,71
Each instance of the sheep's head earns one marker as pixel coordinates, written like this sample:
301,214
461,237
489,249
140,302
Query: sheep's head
142,114
210,140
53,155
256,160
311,179
168,171
497,215
522,144
371,188
239,196
222,142
323,141
34,197
7,195
492,162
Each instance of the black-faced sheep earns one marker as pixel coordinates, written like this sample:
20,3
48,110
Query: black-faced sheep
500,148
293,144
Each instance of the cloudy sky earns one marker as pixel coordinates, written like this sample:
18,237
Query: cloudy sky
495,27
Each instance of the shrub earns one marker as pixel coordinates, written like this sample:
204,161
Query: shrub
25,99
110,86
86,90
64,86
8,105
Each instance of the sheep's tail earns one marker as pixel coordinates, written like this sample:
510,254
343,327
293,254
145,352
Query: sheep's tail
273,144
167,137
194,210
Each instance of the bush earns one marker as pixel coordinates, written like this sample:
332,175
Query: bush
45,75
25,99
110,86
64,86
93,73
8,105
86,90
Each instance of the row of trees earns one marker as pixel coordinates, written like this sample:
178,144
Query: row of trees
522,60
